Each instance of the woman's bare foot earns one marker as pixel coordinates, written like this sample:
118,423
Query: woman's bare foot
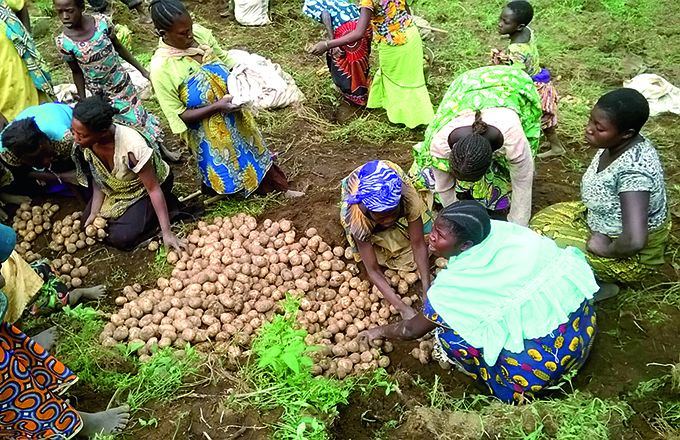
86,294
607,290
105,422
553,152
47,338
293,194
556,148
13,199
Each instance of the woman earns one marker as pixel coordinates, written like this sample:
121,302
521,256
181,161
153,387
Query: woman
482,142
385,221
33,380
131,184
349,65
37,147
399,83
512,309
189,74
24,80
622,222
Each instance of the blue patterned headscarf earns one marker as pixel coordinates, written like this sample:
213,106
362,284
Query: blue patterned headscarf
8,239
379,187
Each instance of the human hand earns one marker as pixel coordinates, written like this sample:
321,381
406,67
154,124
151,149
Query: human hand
226,105
319,48
171,241
598,244
90,219
145,73
370,334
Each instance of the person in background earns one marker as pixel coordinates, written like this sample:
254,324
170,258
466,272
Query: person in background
399,83
622,221
523,50
92,51
482,142
512,310
103,6
131,184
348,65
32,376
385,223
189,73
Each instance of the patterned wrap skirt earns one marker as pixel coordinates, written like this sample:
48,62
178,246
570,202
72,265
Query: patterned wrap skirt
549,98
32,381
230,150
349,65
515,376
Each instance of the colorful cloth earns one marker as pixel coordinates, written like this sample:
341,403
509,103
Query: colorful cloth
379,187
231,154
33,380
25,79
399,83
53,294
390,21
637,169
566,224
349,65
104,73
392,246
543,362
21,285
490,87
340,11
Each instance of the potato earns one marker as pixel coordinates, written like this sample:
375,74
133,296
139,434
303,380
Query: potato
120,333
76,282
121,300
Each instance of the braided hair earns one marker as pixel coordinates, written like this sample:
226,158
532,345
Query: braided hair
627,108
23,138
164,13
471,157
95,113
468,220
522,11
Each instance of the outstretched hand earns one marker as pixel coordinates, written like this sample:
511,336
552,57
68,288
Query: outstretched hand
226,105
172,242
370,335
319,48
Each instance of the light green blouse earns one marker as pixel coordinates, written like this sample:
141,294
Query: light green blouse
169,73
515,285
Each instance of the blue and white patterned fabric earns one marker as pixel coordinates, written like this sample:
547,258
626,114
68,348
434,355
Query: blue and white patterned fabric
379,187
341,11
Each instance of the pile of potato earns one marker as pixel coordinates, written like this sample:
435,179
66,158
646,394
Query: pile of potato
70,269
68,234
29,223
230,281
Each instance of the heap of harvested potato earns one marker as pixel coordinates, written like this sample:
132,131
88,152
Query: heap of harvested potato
70,269
68,234
229,283
29,223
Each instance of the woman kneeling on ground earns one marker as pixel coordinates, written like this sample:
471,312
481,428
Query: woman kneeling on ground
622,222
512,309
37,147
31,375
131,184
482,143
189,73
385,221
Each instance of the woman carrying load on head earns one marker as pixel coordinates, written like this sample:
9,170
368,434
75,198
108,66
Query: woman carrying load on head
349,64
189,73
482,143
399,83
622,221
512,310
385,223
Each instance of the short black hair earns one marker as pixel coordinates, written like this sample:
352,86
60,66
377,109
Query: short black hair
522,10
165,12
23,137
468,220
95,112
627,108
80,3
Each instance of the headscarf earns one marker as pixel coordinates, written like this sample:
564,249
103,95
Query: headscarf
471,217
8,239
379,187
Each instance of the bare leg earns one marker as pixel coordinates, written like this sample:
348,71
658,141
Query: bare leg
47,338
556,148
86,294
105,422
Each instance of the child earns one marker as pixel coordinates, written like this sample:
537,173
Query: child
90,47
514,22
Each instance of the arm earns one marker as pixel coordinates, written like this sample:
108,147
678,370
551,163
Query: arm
378,278
521,179
148,178
420,254
78,78
407,329
633,239
126,55
224,105
67,177
96,205
326,20
25,18
354,36
445,186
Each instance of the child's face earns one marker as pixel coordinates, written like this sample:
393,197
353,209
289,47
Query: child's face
507,24
69,13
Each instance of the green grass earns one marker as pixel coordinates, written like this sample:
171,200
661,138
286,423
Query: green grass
254,205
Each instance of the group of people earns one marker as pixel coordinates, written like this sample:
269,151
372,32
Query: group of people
514,308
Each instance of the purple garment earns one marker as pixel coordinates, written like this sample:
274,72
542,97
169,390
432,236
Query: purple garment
542,77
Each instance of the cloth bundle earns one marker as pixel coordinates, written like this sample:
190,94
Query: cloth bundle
663,97
252,12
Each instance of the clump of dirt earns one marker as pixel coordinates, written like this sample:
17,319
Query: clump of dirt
425,422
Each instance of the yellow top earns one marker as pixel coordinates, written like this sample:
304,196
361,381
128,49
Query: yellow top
17,91
22,283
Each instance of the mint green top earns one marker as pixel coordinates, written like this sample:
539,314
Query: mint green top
515,285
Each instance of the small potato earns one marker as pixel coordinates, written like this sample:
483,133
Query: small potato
121,300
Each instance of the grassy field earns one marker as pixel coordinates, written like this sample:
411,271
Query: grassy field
630,390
